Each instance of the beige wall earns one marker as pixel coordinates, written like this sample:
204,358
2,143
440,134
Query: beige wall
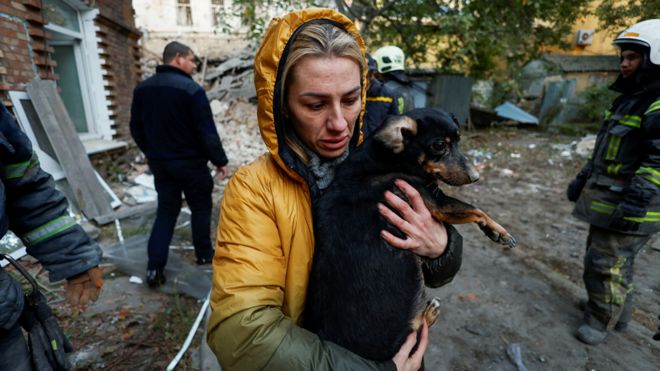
601,42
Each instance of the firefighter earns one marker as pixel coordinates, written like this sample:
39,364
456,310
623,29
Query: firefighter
618,190
381,100
391,67
37,213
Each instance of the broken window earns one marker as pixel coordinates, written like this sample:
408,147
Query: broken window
183,13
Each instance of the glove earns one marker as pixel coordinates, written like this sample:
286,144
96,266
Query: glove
575,188
618,221
83,288
48,344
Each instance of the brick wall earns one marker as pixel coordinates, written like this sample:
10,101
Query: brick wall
23,50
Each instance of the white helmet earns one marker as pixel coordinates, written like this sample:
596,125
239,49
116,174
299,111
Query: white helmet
389,58
646,33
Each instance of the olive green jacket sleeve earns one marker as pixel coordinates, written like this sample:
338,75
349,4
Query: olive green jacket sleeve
262,338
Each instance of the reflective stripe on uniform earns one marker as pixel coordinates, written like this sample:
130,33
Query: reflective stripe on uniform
651,174
607,114
617,289
613,169
653,107
613,147
608,209
602,208
401,104
379,99
631,120
47,230
15,171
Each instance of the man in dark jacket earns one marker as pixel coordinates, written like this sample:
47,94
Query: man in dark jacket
381,100
172,123
618,190
37,213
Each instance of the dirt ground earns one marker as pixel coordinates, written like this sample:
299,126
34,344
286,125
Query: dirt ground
502,301
527,298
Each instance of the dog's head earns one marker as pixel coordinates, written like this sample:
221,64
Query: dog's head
428,139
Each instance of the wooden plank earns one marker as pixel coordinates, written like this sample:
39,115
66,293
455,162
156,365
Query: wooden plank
68,148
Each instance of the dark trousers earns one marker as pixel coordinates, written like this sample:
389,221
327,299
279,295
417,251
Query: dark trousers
14,354
193,178
608,276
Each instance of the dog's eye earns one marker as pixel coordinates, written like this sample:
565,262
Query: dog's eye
438,146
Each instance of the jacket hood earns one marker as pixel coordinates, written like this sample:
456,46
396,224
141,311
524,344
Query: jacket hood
270,57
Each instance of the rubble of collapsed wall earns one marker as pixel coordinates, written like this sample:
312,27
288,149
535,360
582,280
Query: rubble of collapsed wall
229,85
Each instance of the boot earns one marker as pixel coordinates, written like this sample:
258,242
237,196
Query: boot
155,277
590,335
624,319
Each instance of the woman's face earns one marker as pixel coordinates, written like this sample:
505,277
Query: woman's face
630,62
323,103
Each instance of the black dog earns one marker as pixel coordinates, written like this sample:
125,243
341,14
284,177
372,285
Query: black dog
364,294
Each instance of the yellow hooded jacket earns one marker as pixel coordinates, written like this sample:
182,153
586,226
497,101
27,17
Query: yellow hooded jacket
265,239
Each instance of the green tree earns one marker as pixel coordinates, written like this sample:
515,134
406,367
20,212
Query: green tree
478,38
615,16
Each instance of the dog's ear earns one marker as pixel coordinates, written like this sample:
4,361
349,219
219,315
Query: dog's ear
395,131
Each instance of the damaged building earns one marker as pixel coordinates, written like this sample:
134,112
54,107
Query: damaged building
88,47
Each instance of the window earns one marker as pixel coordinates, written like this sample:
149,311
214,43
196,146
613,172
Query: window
61,14
79,71
217,11
183,13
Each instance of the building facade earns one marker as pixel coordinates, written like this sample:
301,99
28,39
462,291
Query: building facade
89,47
207,26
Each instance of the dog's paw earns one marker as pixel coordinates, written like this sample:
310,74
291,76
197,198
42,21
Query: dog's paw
508,240
432,311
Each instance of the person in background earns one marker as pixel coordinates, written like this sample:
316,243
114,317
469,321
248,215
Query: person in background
391,67
172,123
618,190
310,75
381,100
32,208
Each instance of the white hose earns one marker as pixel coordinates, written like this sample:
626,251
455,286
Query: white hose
191,335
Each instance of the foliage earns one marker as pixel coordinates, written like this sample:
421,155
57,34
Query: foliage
255,15
616,15
478,38
594,100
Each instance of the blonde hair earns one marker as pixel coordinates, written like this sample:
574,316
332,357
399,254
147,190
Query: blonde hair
315,40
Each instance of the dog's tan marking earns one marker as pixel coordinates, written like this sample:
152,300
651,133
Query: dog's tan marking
491,228
392,134
430,314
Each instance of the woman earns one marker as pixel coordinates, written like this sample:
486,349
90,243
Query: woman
310,77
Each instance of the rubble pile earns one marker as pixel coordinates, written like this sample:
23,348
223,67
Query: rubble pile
230,78
237,125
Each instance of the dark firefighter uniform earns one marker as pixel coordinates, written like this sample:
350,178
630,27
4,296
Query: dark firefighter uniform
621,201
381,102
37,213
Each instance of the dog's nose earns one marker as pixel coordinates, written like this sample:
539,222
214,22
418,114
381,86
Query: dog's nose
473,174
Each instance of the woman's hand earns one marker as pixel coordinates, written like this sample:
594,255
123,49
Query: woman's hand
424,236
405,361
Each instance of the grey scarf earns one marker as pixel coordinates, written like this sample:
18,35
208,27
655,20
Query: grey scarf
323,170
